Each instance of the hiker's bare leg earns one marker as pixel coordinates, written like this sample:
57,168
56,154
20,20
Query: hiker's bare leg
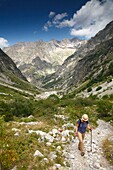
81,145
83,135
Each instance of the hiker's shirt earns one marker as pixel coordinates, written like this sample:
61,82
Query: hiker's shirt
82,126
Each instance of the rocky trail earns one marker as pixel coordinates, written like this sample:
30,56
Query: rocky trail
92,160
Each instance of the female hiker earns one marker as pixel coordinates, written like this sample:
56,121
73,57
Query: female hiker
81,126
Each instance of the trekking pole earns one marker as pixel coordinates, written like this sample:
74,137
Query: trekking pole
91,140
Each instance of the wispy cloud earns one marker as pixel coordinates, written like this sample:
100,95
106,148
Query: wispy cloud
55,20
3,43
86,22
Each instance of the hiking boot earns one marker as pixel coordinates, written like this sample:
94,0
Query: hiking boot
82,153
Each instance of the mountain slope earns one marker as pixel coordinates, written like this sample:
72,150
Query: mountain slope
7,66
12,81
90,60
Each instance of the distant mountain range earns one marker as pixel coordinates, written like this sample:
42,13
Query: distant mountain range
38,59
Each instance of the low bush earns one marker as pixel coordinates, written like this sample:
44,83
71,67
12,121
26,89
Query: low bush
84,102
111,68
105,109
89,89
46,107
98,88
19,107
109,80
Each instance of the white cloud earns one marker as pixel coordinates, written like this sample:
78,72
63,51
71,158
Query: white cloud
55,20
59,17
51,14
90,19
45,28
3,43
47,25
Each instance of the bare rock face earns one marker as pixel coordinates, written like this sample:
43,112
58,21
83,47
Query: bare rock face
7,66
39,59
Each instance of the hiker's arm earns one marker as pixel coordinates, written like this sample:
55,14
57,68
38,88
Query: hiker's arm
89,127
76,128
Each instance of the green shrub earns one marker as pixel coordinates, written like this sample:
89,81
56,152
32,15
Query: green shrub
46,107
5,109
111,68
111,96
67,102
105,109
84,102
106,96
89,89
98,88
109,80
21,107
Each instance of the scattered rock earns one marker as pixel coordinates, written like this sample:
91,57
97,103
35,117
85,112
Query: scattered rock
48,144
57,166
38,153
15,168
15,129
46,160
110,139
52,155
30,123
31,116
17,134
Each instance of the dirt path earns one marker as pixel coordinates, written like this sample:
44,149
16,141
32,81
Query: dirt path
91,160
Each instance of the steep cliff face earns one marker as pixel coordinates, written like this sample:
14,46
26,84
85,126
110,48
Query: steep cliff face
7,66
96,64
92,59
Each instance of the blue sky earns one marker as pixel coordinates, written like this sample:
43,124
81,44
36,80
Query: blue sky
33,20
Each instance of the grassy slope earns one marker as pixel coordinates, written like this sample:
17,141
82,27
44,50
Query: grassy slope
19,150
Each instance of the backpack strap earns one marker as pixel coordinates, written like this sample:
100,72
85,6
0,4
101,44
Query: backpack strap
79,121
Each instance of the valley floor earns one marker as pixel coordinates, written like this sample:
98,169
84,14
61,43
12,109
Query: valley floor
91,160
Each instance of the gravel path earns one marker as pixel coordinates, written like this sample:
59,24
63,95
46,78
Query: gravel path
91,160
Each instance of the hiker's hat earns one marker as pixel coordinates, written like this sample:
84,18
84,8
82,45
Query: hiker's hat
85,117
